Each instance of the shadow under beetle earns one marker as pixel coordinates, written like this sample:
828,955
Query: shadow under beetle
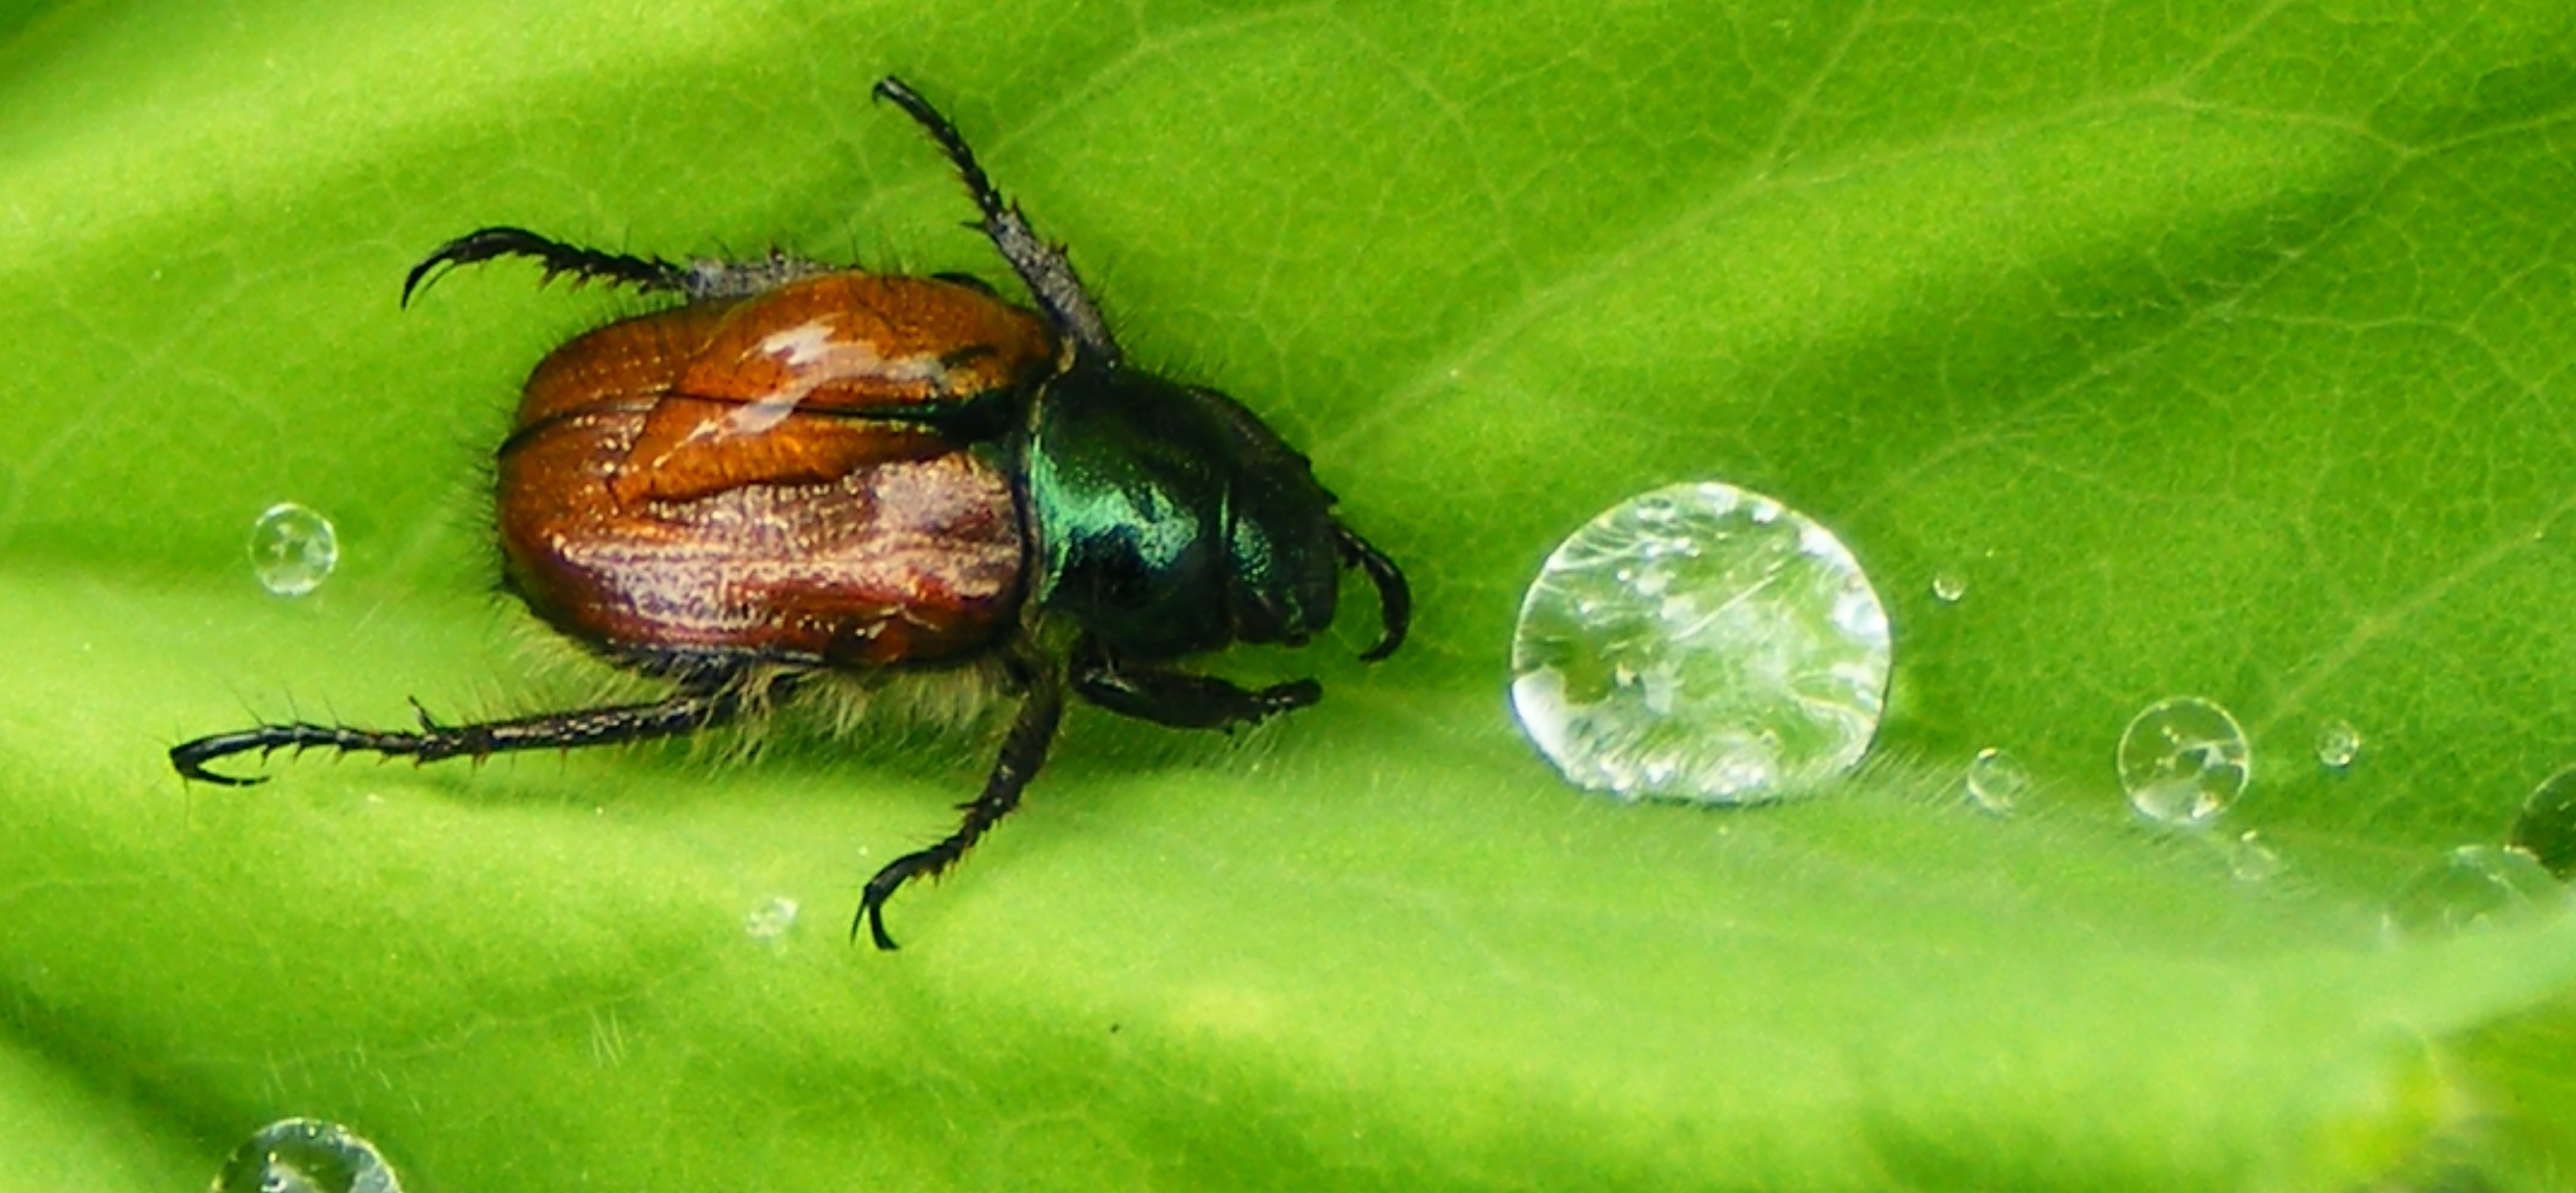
806,469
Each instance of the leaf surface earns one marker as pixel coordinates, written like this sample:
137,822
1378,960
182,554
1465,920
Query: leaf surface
2216,350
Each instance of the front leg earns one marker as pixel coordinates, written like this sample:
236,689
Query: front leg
1179,699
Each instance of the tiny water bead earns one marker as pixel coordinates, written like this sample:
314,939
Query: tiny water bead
2338,744
304,1155
292,549
2472,886
771,919
2251,859
2183,761
2546,826
1996,781
1949,588
1704,643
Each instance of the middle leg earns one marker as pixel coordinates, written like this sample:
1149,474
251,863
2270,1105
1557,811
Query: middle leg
1023,752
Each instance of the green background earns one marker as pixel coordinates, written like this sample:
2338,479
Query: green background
2219,349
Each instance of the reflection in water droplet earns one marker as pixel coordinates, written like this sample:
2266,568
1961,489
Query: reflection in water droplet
2546,827
1949,587
1704,643
2338,743
2183,760
292,549
2471,886
2251,860
1996,781
303,1155
771,920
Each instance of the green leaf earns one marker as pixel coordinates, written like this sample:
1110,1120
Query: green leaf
2218,350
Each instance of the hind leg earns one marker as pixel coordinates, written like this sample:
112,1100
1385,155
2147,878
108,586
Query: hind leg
688,711
701,280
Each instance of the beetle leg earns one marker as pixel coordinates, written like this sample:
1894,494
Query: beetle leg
643,273
1023,752
683,713
1394,596
1179,699
1042,266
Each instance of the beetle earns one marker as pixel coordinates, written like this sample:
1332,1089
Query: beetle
806,470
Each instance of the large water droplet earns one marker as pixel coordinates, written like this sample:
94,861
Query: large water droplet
2546,827
1996,781
292,549
2338,743
303,1155
1703,643
2471,886
2183,761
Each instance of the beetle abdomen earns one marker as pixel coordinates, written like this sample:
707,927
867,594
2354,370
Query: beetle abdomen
905,561
773,479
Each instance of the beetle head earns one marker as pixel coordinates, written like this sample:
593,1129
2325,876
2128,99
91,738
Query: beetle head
1169,520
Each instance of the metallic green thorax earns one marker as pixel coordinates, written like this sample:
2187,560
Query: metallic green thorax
1169,521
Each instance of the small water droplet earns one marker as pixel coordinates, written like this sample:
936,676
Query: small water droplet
2183,761
1702,643
1996,781
771,920
1949,588
2338,743
2546,826
2471,886
2250,859
292,549
304,1155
